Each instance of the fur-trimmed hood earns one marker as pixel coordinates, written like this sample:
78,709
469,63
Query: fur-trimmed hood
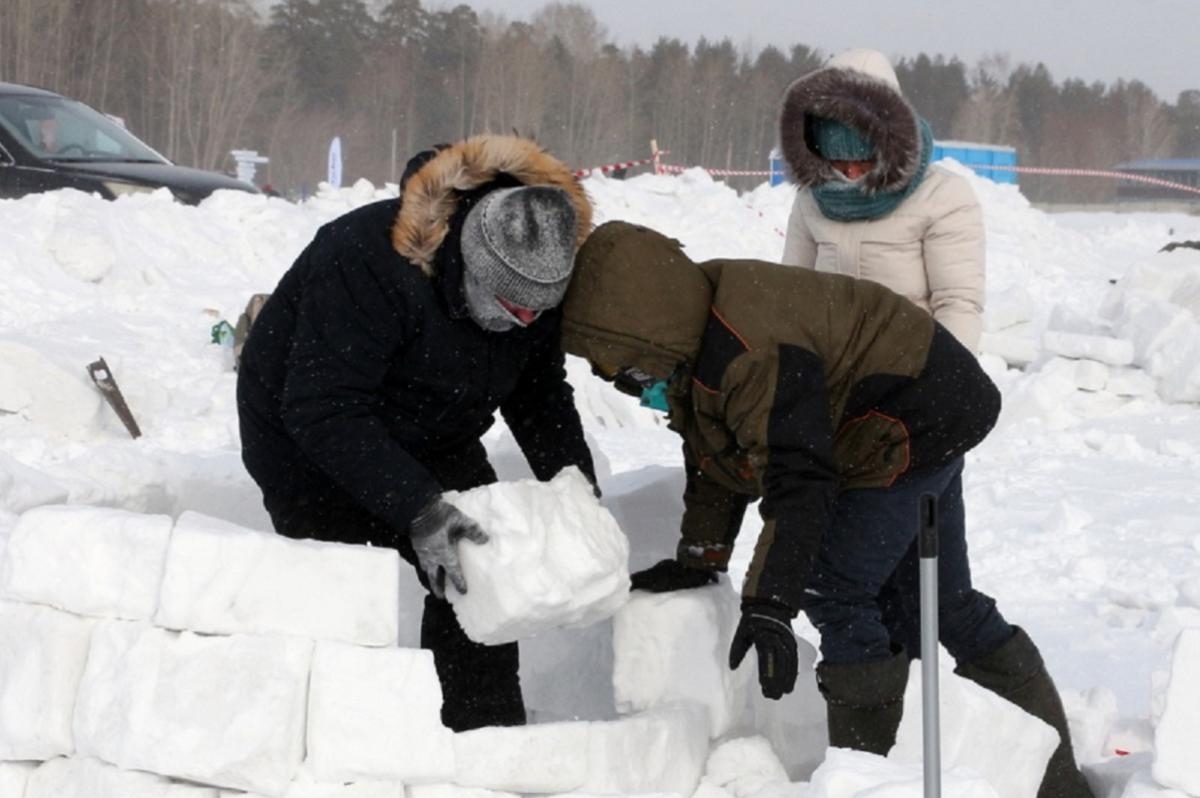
429,197
867,102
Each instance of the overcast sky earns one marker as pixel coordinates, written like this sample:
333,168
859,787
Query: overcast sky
1155,41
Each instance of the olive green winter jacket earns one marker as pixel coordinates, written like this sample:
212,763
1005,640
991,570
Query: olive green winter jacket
788,385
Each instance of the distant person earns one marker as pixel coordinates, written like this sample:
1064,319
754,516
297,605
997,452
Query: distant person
838,403
371,373
870,204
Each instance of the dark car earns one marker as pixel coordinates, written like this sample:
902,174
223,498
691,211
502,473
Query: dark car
48,141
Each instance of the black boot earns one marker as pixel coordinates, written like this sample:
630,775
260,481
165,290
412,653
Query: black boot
864,702
1015,671
481,685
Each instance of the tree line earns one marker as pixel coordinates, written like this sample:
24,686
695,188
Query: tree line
197,78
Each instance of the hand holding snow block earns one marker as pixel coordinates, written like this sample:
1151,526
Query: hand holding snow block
555,558
1177,736
848,774
981,732
660,751
225,579
377,714
546,758
42,656
87,560
227,711
670,647
91,778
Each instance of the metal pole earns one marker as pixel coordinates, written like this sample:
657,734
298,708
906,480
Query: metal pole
928,546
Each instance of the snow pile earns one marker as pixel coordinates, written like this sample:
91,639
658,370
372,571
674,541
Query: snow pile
854,774
1177,737
555,557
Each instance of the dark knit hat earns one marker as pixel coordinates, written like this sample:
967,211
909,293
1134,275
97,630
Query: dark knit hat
837,142
520,243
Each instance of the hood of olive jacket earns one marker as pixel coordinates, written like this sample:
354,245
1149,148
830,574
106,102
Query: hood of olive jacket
635,299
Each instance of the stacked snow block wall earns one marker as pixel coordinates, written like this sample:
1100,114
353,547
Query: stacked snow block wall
145,657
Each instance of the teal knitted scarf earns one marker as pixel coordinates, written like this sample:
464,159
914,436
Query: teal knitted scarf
846,202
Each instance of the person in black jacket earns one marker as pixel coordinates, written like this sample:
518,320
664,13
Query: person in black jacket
380,360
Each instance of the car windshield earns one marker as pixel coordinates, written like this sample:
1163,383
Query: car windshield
59,129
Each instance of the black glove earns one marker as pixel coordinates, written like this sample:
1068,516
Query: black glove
767,626
435,533
667,575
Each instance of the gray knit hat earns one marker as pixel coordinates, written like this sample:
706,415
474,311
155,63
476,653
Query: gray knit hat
520,243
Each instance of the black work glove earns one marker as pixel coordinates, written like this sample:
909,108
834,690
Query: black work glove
435,533
667,575
767,626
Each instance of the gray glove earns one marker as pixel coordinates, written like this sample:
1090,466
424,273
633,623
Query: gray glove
435,533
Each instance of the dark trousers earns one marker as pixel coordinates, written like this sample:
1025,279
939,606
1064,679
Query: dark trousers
481,685
864,593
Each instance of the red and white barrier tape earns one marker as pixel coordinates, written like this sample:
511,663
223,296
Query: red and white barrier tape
719,172
1047,170
612,167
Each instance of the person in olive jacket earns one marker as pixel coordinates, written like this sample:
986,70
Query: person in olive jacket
838,403
380,360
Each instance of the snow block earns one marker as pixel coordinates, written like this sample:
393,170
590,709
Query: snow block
1091,716
981,732
670,647
660,751
43,653
846,774
1016,350
13,778
1131,382
375,714
88,560
556,558
91,778
1177,735
226,711
1111,351
568,674
545,758
222,578
23,488
744,767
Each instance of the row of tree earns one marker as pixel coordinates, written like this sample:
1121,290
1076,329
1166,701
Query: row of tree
197,78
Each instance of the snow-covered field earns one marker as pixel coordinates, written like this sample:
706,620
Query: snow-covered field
1083,505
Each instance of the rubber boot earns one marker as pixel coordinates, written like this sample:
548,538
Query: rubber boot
864,702
481,685
1015,671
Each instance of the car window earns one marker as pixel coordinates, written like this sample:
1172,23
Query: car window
56,128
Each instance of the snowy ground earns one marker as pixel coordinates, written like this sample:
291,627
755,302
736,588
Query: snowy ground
1083,505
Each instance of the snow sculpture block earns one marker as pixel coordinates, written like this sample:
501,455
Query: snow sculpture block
545,758
1112,351
660,751
981,732
87,560
91,778
43,652
225,579
846,774
670,647
555,558
375,714
227,711
1177,735
13,778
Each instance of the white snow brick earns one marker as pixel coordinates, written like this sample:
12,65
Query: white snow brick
43,652
1016,350
567,674
23,488
660,751
847,774
13,778
91,778
1112,351
1133,382
744,767
226,711
222,578
375,714
981,732
88,560
453,791
670,647
1177,735
555,558
544,758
